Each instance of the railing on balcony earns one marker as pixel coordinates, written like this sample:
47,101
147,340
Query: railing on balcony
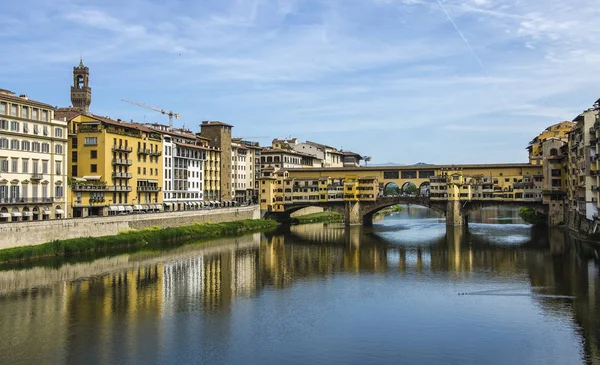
96,200
121,161
26,200
148,188
118,188
121,148
37,176
155,153
88,187
122,175
143,151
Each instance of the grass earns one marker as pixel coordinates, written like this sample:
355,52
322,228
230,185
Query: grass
390,210
318,218
133,239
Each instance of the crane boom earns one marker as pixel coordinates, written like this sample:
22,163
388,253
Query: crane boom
162,111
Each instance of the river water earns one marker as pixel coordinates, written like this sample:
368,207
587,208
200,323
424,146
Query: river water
405,291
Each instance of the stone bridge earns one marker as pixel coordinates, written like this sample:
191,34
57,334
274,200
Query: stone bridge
362,212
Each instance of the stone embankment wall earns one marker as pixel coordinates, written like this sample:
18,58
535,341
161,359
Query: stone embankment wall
37,232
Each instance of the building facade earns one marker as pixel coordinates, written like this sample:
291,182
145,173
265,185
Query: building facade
33,155
218,135
115,167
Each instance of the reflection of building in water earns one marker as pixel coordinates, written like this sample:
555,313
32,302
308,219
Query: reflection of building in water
212,279
34,318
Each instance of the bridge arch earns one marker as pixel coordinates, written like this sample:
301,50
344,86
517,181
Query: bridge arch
409,188
368,210
391,188
424,189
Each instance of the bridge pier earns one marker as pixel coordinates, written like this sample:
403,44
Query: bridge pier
455,215
353,215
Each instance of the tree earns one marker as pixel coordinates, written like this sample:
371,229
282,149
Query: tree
367,159
411,189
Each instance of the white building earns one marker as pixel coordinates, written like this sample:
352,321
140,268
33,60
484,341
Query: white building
33,150
184,155
243,173
329,156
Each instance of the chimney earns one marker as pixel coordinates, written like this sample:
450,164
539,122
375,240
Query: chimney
23,96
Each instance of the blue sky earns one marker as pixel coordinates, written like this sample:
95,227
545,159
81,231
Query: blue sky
392,79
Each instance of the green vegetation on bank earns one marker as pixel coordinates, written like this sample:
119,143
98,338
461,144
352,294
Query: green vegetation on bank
134,239
390,210
324,217
532,217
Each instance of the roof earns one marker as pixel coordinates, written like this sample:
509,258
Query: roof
417,167
10,96
67,113
267,150
320,145
285,140
71,113
206,123
349,153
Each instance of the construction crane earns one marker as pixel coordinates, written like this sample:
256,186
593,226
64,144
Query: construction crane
162,111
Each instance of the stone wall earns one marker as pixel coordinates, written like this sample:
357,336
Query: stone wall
38,232
306,211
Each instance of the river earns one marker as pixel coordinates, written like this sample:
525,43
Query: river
405,291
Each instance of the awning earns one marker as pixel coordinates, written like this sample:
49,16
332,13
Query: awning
93,177
170,205
128,208
27,214
113,208
152,207
187,204
121,208
60,211
46,212
4,215
159,207
16,214
145,207
151,181
137,207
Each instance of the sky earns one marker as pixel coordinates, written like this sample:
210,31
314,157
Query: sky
403,81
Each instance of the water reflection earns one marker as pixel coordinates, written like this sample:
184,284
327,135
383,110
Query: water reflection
215,303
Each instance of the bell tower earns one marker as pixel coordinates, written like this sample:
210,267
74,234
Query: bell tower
81,93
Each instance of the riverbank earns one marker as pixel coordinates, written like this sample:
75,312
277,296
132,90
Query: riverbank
134,239
390,210
322,217
17,234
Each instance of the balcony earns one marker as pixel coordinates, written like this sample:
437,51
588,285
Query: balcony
118,188
147,188
80,187
155,153
96,199
37,176
122,175
121,161
143,151
121,148
26,200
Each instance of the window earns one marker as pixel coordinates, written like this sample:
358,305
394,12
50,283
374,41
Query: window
45,115
25,127
3,124
35,146
94,154
58,168
94,168
90,141
74,170
24,112
4,143
151,172
155,171
45,130
15,165
139,170
58,193
25,166
36,129
14,126
144,171
4,166
14,144
44,167
13,110
74,156
3,108
34,113
74,143
58,149
45,147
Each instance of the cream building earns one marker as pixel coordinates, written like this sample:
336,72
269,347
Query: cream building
33,150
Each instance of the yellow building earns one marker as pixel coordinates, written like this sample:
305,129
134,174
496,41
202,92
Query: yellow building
115,167
558,131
